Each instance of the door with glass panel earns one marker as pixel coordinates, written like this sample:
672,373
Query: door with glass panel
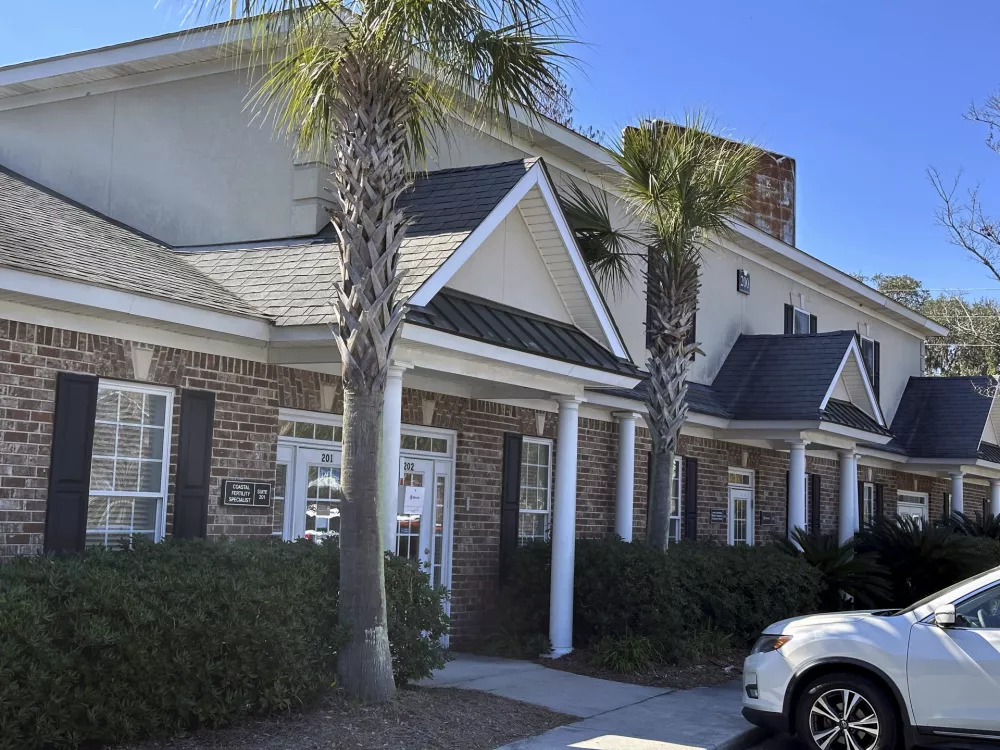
314,507
423,510
740,516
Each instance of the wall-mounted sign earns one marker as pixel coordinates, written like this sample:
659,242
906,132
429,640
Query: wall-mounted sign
718,515
766,518
413,501
742,281
248,494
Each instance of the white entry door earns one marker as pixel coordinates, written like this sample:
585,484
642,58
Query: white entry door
415,511
741,514
314,508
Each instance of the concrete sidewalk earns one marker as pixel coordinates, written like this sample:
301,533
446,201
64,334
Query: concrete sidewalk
615,715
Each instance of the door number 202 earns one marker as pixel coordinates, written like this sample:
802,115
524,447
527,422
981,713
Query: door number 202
408,466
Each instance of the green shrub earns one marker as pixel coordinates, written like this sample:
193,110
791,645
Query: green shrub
625,655
704,643
740,590
115,646
624,590
416,620
922,558
979,525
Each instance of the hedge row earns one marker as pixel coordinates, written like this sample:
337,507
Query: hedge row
115,646
625,590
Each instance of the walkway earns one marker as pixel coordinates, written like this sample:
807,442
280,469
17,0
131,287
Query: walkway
615,715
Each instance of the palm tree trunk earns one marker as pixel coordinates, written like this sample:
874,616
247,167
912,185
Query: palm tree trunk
369,175
364,665
673,285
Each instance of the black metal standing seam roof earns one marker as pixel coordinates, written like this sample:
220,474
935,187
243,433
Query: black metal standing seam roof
847,414
989,452
484,320
942,417
779,377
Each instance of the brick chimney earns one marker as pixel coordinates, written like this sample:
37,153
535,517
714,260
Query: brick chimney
772,207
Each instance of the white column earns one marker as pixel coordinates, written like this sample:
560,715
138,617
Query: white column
854,495
848,518
957,492
626,473
388,460
796,486
564,528
995,497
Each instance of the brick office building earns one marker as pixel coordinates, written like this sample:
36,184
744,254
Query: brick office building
163,331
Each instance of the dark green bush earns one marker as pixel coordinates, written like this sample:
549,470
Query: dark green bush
624,590
845,571
116,646
923,558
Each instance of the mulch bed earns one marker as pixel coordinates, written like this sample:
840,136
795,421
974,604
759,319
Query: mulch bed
705,673
419,719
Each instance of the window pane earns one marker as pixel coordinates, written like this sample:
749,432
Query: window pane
102,473
280,476
338,434
152,442
304,430
113,520
107,405
150,474
129,440
286,428
408,442
324,432
126,476
531,527
423,443
801,322
104,439
440,445
130,407
154,410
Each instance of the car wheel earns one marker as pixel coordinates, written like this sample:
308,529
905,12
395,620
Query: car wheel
846,712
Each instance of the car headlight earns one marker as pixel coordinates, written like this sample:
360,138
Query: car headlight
768,643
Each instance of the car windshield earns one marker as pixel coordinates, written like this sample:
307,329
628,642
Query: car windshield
943,592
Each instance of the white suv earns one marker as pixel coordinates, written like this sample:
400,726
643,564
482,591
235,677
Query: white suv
927,675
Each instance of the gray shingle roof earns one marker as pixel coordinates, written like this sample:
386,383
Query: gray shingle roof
773,378
45,233
291,281
485,320
942,417
777,377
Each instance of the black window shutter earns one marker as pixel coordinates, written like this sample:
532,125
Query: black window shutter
879,500
815,491
876,375
69,470
861,504
789,319
194,465
946,506
510,501
691,498
788,501
813,324
692,333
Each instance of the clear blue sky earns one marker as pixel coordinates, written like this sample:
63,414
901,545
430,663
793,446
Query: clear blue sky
864,95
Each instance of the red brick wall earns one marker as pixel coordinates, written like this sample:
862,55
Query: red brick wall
30,358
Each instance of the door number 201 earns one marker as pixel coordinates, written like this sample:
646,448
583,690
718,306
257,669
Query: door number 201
326,458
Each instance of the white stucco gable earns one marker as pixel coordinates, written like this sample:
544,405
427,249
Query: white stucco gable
529,211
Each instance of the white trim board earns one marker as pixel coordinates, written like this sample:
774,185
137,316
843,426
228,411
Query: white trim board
590,314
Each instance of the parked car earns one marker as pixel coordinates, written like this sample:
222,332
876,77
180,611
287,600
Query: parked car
925,675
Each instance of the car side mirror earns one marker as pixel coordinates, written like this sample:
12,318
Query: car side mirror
945,616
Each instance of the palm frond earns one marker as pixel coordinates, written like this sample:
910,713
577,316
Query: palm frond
609,251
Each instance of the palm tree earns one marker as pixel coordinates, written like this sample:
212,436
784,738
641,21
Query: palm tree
364,83
681,185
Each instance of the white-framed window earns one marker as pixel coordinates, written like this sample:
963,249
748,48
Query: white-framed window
535,504
868,355
913,504
800,321
868,504
741,506
677,500
306,425
131,456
